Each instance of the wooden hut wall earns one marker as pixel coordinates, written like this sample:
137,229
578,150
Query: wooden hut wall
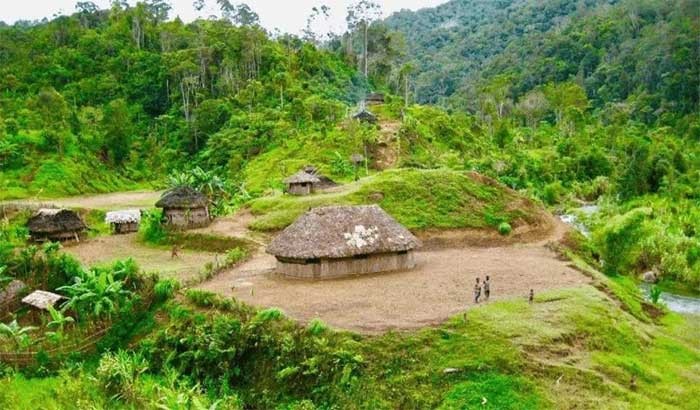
334,268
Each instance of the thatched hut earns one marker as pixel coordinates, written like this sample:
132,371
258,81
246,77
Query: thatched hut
365,116
301,183
184,208
335,241
324,182
41,299
374,98
56,225
9,296
124,221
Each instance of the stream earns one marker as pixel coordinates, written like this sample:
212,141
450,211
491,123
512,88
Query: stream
674,302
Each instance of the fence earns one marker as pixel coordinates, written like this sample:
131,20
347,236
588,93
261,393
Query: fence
29,357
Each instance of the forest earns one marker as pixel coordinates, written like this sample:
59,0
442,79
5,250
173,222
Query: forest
563,104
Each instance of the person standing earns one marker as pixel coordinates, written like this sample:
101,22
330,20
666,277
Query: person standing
477,291
487,288
531,298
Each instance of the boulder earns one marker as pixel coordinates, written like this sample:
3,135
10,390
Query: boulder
649,277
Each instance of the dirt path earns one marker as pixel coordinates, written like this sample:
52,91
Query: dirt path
106,202
105,249
438,288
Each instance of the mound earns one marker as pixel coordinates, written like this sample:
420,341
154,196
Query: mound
418,199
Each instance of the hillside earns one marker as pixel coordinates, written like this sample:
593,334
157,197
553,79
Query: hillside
636,51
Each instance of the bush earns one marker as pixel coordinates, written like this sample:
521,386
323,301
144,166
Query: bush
118,373
504,228
165,289
151,230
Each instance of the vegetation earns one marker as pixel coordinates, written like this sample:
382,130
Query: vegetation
537,104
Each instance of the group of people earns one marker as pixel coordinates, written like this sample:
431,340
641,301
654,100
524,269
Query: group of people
479,287
485,287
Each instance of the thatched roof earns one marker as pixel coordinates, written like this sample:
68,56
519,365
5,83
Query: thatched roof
11,291
301,177
55,220
365,115
123,216
41,299
375,97
342,231
324,182
183,198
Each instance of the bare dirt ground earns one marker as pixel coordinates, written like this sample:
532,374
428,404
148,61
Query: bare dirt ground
441,285
106,202
234,225
105,249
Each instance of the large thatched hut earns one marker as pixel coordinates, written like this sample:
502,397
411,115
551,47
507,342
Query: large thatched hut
56,225
324,182
184,208
335,241
124,221
301,183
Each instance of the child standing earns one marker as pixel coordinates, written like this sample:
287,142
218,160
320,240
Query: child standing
487,287
477,291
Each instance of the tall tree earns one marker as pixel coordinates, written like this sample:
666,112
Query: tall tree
360,16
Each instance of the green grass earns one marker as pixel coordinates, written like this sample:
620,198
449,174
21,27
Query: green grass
419,199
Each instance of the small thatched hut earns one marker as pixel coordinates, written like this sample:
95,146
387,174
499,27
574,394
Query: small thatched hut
365,116
56,225
41,299
324,182
124,221
184,208
374,98
9,296
335,241
301,183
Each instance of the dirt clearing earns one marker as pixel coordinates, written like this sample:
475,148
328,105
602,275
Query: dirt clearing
441,286
105,202
105,249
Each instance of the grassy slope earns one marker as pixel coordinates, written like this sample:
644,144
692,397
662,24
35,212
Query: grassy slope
570,349
419,199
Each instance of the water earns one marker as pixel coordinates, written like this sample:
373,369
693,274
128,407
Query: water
573,219
675,303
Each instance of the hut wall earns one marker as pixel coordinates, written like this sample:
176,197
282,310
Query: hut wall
187,218
300,189
334,268
64,236
126,227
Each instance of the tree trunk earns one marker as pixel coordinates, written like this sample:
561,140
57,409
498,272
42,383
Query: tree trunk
365,49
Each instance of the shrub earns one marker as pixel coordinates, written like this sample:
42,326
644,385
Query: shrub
118,373
165,289
151,229
655,294
235,255
504,228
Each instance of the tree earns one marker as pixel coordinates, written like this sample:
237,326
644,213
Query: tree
309,32
360,16
116,126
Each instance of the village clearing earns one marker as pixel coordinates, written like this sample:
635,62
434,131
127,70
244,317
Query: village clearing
104,202
438,288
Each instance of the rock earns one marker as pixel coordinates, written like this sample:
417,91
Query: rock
450,370
375,197
649,277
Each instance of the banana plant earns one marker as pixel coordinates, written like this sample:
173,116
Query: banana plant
18,334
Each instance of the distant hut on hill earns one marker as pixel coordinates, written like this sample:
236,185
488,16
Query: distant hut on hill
335,241
184,208
323,181
41,299
301,183
124,221
365,116
56,225
374,98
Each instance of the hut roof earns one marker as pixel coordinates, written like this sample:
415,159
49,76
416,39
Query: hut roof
365,115
342,231
301,177
183,197
11,291
123,216
41,299
47,220
375,97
